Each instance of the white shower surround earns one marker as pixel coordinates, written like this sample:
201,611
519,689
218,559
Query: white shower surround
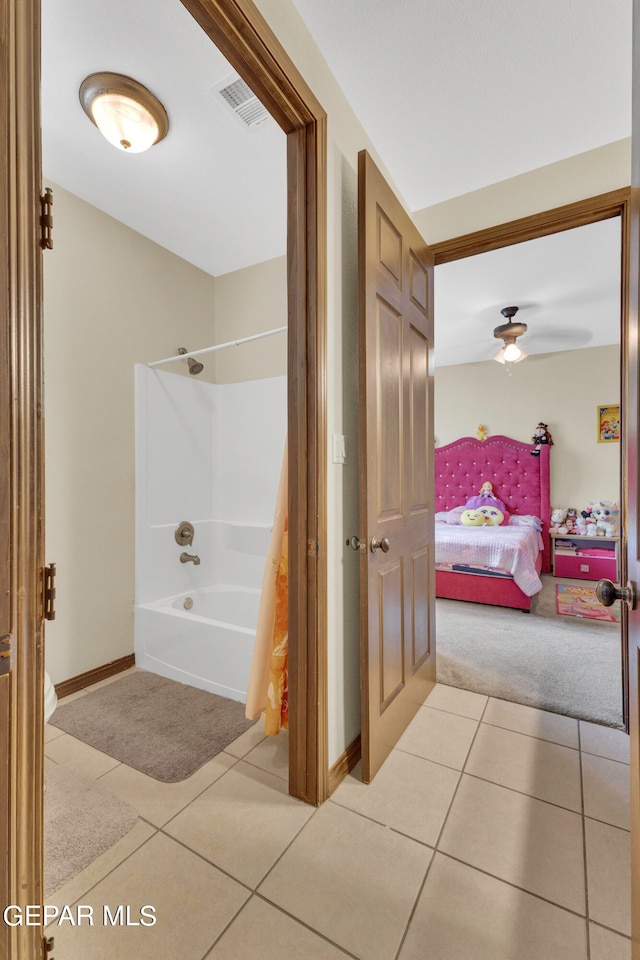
210,454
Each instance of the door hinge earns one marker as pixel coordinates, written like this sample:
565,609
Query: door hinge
49,592
47,947
46,219
312,548
6,654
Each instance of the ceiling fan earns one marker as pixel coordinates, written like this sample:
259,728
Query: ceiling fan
510,352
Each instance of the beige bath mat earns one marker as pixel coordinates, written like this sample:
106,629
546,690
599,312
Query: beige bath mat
81,821
158,726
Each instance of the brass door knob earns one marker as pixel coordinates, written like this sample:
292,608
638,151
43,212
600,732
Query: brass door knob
608,592
383,545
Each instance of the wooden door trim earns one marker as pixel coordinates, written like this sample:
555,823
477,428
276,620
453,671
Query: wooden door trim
20,354
244,37
601,207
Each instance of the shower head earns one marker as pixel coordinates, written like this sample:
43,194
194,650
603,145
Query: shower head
195,367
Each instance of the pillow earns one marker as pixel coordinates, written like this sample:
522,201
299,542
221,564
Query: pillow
494,517
473,518
522,520
450,516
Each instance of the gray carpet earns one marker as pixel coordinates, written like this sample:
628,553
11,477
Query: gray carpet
81,821
563,664
158,726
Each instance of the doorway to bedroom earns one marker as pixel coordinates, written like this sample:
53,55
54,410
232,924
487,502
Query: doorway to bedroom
515,621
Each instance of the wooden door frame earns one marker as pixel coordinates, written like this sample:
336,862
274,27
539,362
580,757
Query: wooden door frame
21,478
244,37
602,207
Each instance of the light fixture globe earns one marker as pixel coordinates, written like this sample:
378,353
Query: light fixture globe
509,332
126,113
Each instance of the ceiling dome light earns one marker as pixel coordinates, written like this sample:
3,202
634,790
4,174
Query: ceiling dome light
510,352
124,111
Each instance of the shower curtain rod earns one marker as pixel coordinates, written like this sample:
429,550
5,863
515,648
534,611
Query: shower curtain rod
219,346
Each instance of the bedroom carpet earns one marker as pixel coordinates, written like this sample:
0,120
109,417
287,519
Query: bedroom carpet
81,821
568,665
165,729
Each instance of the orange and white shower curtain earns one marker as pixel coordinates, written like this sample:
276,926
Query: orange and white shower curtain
268,691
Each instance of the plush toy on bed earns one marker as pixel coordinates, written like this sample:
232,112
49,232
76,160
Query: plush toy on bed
487,503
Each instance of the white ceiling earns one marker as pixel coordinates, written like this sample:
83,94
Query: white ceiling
454,96
566,286
459,94
213,192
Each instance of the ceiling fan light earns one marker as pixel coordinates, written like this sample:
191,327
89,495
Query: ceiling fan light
512,353
500,355
126,113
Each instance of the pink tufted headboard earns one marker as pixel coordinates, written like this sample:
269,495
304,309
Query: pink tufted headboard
519,479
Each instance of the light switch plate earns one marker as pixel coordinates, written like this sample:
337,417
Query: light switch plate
339,448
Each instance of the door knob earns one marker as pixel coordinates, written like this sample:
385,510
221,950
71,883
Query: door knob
608,592
383,545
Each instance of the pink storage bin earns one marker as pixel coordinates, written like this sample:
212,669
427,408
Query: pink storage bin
584,567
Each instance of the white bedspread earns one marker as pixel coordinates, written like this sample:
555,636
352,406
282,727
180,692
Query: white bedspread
510,548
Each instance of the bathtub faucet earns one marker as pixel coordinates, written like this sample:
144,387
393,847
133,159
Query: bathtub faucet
189,558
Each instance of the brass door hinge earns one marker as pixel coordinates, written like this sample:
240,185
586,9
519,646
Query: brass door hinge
47,947
46,219
49,592
312,548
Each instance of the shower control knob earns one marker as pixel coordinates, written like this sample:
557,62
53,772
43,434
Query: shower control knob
184,534
383,545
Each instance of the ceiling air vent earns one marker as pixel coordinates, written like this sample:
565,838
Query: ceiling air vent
242,101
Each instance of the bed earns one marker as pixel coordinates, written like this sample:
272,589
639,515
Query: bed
521,481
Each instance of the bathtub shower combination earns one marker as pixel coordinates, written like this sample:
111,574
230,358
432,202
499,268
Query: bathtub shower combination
208,459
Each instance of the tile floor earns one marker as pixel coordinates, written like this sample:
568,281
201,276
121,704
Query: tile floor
493,832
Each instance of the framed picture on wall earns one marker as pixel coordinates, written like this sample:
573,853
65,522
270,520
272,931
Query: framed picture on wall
609,423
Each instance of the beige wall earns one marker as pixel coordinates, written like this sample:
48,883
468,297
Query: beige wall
111,298
246,302
576,178
561,389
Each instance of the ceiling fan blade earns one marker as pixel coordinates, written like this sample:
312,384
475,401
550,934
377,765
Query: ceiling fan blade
557,338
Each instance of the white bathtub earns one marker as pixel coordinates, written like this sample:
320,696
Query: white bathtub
209,646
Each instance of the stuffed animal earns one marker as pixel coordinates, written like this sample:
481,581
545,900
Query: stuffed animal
557,520
487,498
571,519
581,525
590,522
607,516
540,436
482,432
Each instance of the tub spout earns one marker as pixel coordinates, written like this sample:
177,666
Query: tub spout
189,558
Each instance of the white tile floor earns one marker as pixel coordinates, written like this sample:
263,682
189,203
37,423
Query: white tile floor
493,832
